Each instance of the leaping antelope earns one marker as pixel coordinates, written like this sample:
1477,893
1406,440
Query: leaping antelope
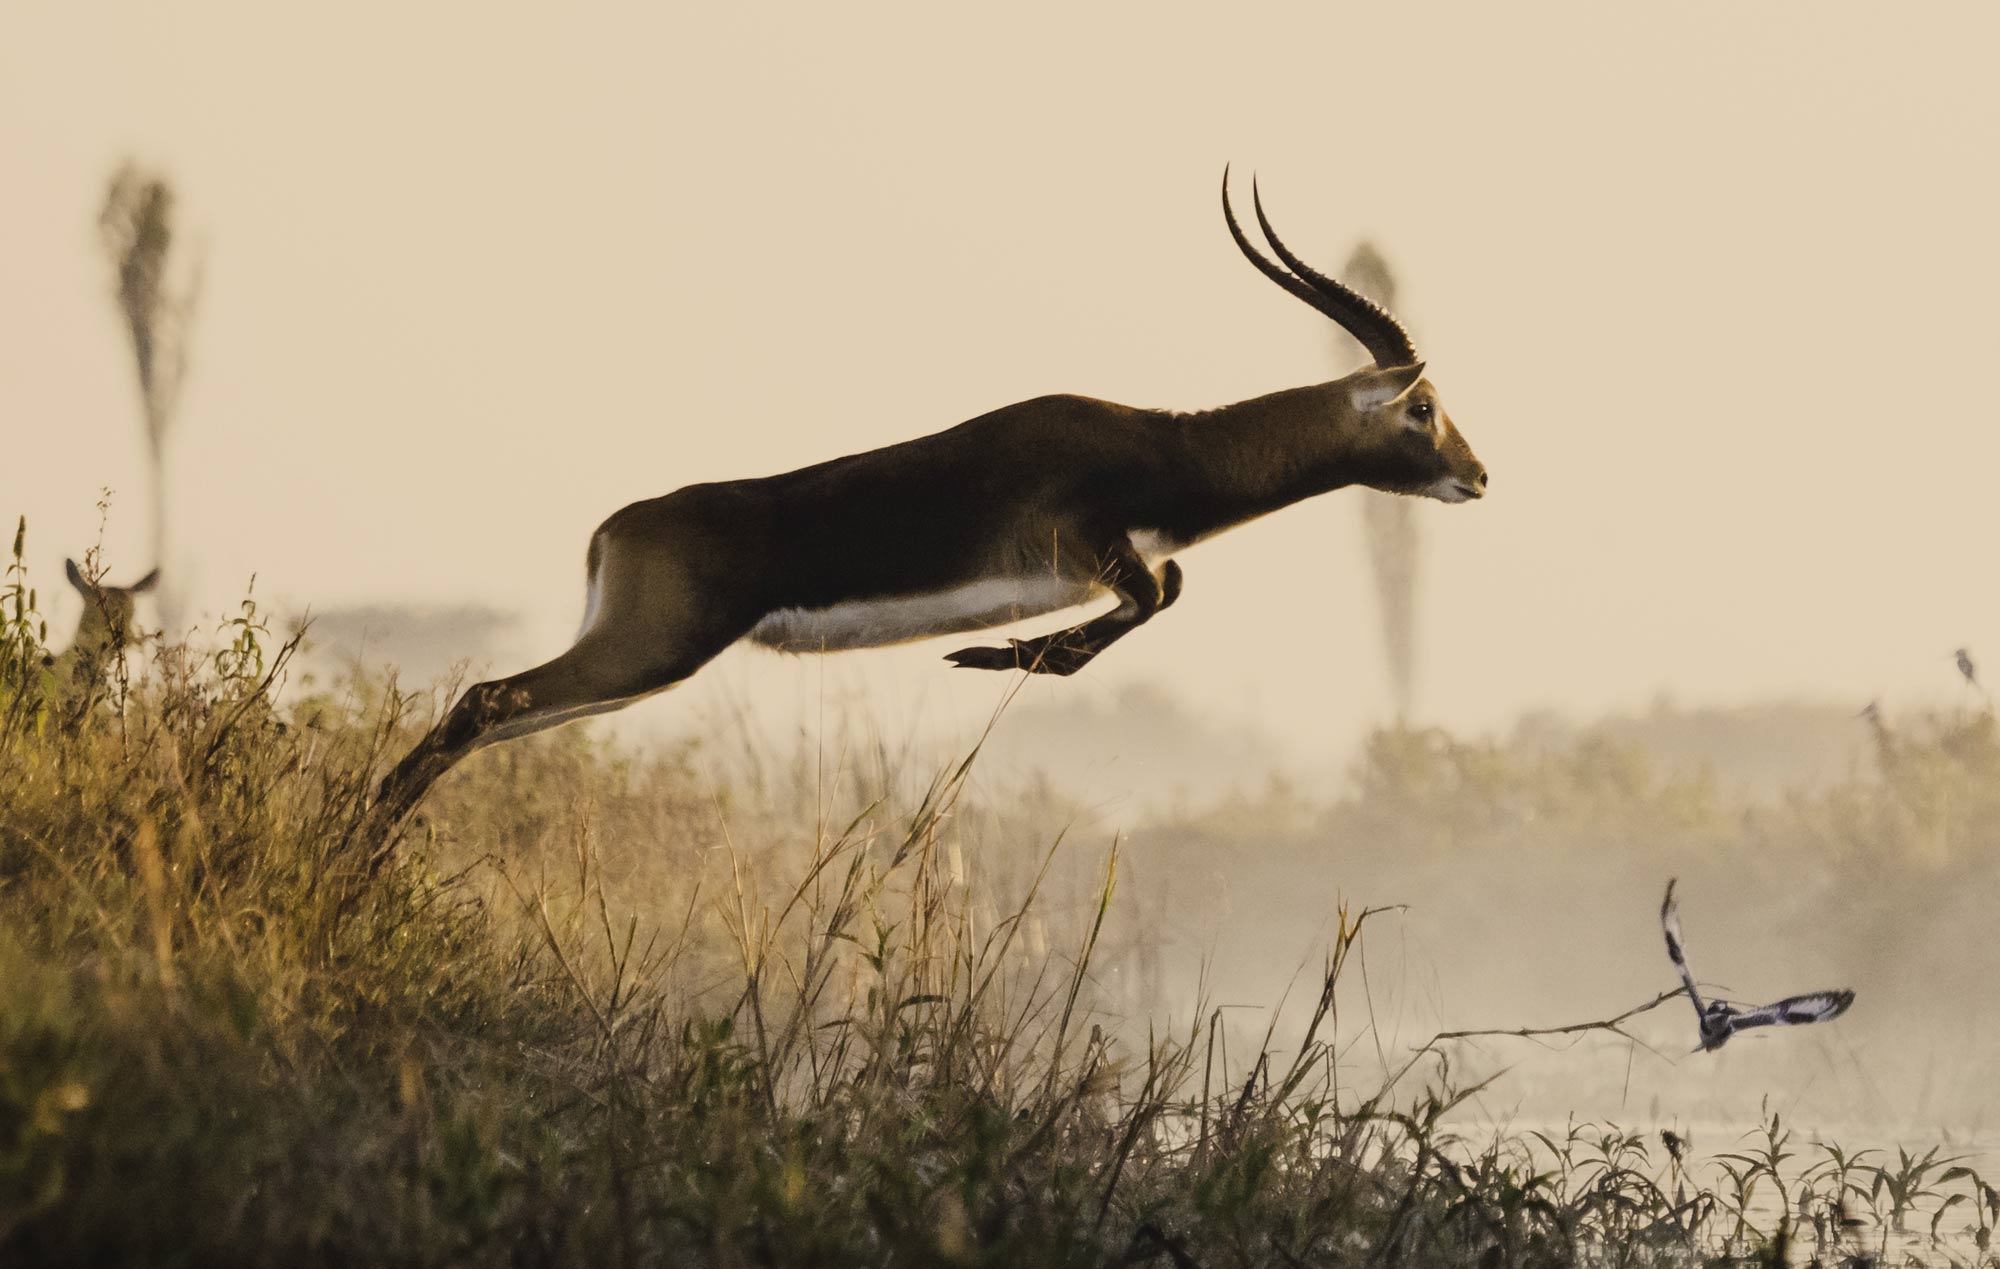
1025,511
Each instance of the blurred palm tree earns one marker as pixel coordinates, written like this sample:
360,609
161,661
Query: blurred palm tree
1388,521
137,229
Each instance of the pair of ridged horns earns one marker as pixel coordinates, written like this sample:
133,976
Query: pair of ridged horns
1382,335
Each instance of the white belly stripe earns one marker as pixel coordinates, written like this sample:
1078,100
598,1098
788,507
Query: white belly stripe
878,622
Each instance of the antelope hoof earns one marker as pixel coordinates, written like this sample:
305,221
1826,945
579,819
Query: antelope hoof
984,659
1036,656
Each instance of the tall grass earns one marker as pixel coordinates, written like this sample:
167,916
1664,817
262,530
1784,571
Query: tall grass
658,1008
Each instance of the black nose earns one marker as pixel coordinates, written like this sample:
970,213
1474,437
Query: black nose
1480,479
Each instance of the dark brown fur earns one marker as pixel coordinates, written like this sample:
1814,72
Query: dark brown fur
1052,487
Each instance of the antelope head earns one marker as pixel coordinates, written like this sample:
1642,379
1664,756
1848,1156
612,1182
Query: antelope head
1402,441
107,612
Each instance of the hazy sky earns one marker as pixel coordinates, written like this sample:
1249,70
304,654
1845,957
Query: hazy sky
1707,287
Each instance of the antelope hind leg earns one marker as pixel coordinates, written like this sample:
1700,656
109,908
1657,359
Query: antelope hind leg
591,678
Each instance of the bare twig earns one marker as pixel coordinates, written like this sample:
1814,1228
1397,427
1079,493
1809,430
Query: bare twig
1614,1025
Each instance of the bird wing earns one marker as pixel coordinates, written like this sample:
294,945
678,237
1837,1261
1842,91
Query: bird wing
1818,1006
1670,925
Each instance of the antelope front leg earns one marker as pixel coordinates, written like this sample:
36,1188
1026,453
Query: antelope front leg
1140,596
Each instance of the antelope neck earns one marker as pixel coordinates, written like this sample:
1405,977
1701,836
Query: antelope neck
1241,461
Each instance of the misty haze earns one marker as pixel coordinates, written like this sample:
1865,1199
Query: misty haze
1227,830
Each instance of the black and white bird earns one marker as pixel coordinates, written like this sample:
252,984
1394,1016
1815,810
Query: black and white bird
1721,1019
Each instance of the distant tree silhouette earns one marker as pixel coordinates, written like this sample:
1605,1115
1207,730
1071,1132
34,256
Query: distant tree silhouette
1389,521
137,229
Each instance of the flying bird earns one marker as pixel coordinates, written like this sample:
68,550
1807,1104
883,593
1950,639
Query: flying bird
1721,1019
1964,659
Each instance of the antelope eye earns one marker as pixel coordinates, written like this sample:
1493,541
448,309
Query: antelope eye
1421,412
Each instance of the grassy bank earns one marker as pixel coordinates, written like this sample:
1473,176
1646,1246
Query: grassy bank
607,1007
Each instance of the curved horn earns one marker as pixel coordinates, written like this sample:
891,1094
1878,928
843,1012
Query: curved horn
1384,338
1265,266
1382,335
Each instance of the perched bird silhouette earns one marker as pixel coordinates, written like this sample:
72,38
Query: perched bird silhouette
1965,666
1721,1019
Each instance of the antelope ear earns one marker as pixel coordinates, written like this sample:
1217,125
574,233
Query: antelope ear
1404,377
145,583
75,575
1383,386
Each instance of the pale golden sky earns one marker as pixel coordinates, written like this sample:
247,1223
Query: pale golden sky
1707,287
